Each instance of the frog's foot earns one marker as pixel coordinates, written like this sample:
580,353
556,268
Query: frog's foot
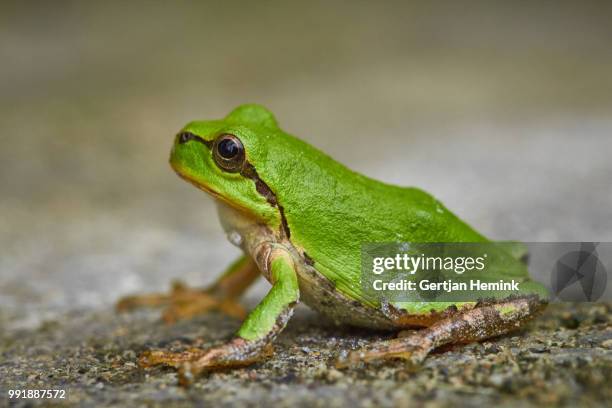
236,353
183,303
412,350
484,321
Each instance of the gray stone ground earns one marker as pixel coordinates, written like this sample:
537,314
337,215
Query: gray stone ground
565,358
501,111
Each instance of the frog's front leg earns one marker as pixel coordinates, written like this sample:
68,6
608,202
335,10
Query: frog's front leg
184,302
482,322
253,340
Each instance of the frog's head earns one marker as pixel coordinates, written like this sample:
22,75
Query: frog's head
218,157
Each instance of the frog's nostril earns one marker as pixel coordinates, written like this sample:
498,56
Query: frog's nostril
184,137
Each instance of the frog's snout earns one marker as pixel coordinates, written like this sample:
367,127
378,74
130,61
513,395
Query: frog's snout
184,137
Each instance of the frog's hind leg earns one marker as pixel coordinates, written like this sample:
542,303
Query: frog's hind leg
183,302
479,323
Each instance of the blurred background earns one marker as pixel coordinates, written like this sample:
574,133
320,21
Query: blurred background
501,110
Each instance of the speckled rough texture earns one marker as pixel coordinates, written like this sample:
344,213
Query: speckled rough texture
563,358
502,111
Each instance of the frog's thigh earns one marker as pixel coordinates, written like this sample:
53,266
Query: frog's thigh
482,322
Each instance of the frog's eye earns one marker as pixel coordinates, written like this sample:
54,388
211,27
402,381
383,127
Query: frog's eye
228,153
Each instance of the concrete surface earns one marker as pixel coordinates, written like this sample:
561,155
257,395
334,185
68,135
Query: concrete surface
501,111
565,358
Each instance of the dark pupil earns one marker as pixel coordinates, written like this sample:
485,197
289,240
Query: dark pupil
228,148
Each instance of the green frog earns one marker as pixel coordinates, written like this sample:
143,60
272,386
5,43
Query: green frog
300,218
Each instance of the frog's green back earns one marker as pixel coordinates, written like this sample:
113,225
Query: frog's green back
331,210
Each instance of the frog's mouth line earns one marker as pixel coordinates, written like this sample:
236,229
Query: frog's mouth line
262,188
201,186
182,174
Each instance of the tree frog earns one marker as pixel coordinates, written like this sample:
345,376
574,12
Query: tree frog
300,218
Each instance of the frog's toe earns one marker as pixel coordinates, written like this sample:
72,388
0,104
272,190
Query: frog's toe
183,303
201,304
132,302
179,292
153,358
412,352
